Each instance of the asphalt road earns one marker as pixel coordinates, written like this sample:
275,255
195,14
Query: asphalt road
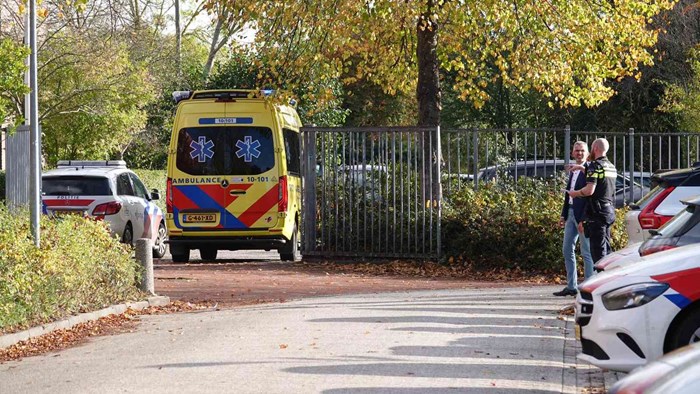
491,340
237,255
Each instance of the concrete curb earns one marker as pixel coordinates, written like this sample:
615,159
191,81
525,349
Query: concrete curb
12,339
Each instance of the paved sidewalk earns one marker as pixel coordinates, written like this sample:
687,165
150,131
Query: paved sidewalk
478,341
588,378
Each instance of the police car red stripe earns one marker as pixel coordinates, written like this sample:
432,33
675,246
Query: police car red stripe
684,282
63,202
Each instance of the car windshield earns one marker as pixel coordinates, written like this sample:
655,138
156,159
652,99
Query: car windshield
681,223
231,150
75,186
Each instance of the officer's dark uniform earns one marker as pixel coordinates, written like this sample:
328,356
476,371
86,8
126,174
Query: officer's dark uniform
600,211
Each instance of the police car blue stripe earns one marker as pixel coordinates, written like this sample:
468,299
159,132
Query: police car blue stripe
202,199
680,300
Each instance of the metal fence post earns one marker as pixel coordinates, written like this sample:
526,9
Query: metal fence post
17,187
475,156
567,143
308,214
630,136
438,152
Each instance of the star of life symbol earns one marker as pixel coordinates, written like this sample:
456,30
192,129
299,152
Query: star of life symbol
202,149
247,149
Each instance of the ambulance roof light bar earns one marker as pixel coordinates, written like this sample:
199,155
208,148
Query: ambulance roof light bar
180,95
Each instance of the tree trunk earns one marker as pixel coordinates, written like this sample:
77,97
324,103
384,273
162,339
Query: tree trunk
429,102
428,89
213,49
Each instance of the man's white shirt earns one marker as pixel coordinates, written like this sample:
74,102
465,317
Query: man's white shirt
572,186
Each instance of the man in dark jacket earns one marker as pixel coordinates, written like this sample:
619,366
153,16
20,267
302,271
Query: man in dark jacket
601,177
571,215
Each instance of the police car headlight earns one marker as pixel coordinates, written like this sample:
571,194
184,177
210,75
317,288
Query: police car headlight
633,296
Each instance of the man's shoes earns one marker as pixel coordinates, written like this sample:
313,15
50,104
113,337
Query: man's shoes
565,292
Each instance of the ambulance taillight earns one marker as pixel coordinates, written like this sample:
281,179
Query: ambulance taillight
169,196
283,194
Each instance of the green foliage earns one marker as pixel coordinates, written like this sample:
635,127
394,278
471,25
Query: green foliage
154,179
683,98
500,226
318,98
79,267
368,104
93,104
149,147
12,70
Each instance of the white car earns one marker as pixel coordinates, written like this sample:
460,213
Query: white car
677,372
620,258
628,317
105,190
662,202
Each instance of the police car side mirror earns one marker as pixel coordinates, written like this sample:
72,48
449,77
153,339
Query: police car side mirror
155,195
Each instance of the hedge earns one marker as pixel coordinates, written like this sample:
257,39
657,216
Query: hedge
509,226
79,267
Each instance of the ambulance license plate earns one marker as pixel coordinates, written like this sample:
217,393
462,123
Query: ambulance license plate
199,218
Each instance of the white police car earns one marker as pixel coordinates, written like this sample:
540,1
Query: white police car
630,316
105,190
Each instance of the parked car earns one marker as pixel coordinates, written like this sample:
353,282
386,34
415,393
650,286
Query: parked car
661,203
363,174
549,168
109,191
677,372
682,229
619,258
628,317
644,178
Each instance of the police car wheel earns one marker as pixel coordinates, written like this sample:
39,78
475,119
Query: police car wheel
128,236
208,253
687,332
160,247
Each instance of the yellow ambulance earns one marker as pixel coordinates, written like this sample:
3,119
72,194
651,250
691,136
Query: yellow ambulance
234,174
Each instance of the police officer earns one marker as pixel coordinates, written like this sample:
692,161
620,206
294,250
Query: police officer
599,191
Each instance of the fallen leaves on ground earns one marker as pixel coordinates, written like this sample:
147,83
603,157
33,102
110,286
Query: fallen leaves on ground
112,324
433,270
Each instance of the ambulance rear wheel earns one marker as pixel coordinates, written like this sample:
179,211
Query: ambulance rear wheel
180,254
290,252
208,253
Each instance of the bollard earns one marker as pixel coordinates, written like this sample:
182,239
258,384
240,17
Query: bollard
144,255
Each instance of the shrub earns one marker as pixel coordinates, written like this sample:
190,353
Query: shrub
79,267
508,226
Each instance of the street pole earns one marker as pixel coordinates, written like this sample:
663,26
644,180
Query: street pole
34,138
